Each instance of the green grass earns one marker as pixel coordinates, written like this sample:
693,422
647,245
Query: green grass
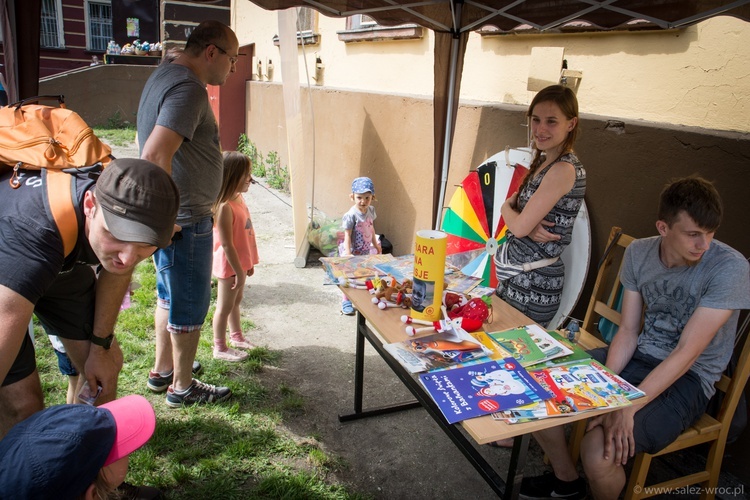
237,449
116,136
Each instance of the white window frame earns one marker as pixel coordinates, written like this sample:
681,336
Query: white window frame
57,5
89,36
363,28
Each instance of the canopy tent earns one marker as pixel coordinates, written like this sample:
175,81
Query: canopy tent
451,20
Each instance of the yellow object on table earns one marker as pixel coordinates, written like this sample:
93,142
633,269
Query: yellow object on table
429,275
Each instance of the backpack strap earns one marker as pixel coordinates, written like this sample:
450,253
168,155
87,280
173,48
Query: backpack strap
62,206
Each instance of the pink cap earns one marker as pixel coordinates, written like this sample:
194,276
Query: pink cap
135,421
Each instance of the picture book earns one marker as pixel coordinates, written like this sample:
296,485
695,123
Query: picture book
530,344
481,291
578,354
402,267
481,389
355,267
460,283
439,350
496,352
577,387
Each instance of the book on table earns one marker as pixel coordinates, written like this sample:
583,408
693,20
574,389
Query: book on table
579,386
530,344
442,349
481,389
354,267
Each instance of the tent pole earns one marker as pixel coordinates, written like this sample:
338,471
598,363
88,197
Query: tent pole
448,127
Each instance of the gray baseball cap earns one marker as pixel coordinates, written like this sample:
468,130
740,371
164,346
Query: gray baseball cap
139,201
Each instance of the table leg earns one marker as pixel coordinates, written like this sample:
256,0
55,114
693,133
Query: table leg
509,491
516,466
359,376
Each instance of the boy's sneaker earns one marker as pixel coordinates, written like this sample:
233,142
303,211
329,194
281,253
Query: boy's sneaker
347,308
197,393
230,354
158,383
547,486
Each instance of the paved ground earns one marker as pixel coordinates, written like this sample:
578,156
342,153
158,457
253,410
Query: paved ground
396,456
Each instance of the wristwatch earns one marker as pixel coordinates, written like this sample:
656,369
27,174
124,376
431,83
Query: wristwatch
105,342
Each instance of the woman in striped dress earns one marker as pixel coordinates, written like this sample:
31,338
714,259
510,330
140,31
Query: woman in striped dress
540,216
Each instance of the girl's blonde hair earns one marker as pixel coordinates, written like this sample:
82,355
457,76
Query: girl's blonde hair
566,100
237,167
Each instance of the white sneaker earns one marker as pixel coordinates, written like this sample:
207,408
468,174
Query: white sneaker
230,354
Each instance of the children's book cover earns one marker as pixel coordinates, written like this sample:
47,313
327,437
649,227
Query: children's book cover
577,387
354,267
439,350
578,353
481,389
519,344
542,347
496,352
400,268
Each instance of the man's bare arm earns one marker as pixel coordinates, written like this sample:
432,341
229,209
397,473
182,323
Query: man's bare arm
161,146
15,313
104,365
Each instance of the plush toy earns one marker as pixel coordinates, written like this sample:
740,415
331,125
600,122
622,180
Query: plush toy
473,312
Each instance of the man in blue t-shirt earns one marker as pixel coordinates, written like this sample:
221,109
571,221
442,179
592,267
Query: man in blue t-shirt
691,288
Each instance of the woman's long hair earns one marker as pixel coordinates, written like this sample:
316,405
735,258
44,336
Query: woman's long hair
236,169
566,100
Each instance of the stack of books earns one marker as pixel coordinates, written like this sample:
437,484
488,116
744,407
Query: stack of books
517,375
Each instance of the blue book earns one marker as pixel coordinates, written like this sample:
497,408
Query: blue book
482,388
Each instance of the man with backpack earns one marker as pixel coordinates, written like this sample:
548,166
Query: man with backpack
120,217
177,130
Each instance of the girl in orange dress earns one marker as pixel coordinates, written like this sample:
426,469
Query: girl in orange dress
235,256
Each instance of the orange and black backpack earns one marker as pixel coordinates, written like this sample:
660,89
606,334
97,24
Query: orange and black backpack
58,140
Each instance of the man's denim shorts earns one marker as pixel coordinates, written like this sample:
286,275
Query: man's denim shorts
183,277
662,420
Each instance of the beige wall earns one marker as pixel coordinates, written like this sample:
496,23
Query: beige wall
696,76
389,138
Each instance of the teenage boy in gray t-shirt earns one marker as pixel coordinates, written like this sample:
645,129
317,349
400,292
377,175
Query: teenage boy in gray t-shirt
691,288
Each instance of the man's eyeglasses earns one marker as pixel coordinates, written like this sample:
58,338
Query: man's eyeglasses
232,60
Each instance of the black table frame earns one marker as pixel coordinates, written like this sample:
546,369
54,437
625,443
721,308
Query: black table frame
520,443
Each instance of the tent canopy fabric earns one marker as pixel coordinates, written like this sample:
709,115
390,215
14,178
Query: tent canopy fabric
451,20
544,15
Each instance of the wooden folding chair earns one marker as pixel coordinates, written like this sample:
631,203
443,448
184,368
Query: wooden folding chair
603,312
708,429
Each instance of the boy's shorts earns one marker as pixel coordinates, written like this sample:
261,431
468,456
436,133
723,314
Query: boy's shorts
183,278
662,420
66,310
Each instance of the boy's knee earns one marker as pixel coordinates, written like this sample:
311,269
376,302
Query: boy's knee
592,453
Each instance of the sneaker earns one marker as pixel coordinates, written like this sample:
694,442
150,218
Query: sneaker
197,393
157,383
347,308
241,343
127,491
547,486
230,355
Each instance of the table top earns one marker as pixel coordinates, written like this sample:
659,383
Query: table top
388,325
